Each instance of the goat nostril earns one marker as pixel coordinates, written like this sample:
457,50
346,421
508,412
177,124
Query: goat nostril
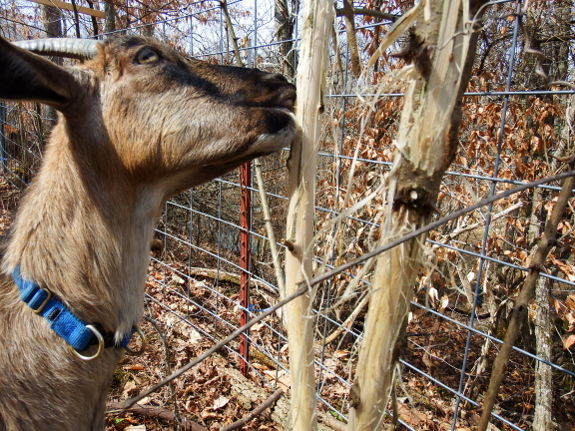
286,97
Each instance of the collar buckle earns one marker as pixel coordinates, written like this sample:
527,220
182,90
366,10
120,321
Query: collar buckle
41,307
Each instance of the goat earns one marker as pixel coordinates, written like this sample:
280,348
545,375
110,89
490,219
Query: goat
138,122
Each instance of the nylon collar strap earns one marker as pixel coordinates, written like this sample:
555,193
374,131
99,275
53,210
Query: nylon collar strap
62,320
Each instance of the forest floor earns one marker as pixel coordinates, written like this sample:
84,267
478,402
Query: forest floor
214,394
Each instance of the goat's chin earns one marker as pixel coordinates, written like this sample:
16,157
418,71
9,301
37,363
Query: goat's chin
268,143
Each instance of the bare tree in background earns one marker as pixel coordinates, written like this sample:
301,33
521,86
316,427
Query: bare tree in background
284,16
52,21
110,20
53,26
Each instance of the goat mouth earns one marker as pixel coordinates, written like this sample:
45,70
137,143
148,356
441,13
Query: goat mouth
287,105
286,101
281,108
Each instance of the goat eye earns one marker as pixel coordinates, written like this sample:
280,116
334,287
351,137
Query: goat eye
147,56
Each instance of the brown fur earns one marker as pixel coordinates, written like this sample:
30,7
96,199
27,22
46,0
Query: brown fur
129,135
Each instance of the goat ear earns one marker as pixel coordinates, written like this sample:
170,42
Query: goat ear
25,76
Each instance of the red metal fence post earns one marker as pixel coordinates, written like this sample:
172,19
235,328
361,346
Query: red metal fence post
245,225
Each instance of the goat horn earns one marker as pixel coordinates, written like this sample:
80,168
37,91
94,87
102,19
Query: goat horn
80,49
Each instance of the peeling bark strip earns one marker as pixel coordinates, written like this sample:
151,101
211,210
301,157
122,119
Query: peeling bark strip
442,52
318,17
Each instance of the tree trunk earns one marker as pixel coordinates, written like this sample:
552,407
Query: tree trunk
110,21
349,15
53,27
542,420
52,21
284,24
543,393
317,20
426,141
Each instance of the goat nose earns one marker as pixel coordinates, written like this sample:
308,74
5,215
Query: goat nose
274,77
277,77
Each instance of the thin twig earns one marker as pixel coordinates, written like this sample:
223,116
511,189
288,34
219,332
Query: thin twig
168,367
350,319
76,19
269,227
256,412
159,412
234,39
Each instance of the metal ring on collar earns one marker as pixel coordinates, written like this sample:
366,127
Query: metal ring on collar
144,344
101,345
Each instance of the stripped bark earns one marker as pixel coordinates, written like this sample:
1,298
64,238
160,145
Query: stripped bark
317,19
442,49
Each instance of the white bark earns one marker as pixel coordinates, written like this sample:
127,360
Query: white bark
425,145
318,16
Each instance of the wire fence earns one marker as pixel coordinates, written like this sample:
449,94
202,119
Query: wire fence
514,130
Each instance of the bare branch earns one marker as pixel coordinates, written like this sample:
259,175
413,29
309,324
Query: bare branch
256,412
224,6
369,12
159,412
348,13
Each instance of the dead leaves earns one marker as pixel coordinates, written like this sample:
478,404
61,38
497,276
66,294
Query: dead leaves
565,310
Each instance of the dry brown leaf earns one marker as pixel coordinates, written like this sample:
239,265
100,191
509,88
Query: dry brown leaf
220,402
208,414
128,388
410,416
569,341
570,319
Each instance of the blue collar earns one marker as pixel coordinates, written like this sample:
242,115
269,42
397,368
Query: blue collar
62,321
